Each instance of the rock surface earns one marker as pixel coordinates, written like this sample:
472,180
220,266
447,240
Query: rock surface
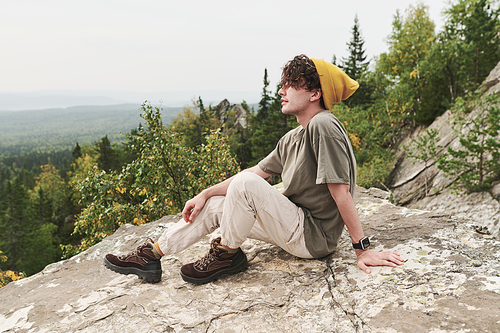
232,112
450,282
409,176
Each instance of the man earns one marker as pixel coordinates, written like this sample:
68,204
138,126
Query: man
318,169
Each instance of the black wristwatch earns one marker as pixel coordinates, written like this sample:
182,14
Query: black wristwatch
363,244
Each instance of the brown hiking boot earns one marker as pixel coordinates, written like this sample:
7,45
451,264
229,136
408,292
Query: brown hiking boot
218,261
141,262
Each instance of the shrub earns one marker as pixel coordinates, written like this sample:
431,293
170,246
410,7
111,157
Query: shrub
158,183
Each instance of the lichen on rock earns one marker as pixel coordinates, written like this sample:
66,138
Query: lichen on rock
448,283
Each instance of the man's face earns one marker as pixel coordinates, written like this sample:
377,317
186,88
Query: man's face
294,101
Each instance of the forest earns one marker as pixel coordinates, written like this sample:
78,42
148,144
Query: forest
55,203
59,129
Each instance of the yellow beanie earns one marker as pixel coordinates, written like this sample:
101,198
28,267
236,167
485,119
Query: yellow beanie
335,84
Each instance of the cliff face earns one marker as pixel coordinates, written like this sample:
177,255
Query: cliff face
408,177
450,282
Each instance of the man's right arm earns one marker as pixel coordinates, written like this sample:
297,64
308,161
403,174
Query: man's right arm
194,205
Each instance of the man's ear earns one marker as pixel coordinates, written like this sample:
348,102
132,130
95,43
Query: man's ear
316,96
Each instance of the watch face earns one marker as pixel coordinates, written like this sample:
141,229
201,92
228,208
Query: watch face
365,242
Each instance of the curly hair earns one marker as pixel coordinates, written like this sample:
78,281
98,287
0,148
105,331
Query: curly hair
300,72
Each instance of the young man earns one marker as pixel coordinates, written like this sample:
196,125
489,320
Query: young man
318,169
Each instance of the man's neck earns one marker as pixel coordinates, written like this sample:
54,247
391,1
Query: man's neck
303,118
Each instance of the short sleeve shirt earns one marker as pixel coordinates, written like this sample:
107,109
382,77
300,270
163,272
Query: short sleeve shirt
307,159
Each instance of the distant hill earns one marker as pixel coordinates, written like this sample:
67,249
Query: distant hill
51,99
54,129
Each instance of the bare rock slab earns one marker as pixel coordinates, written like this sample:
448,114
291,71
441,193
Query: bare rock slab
450,282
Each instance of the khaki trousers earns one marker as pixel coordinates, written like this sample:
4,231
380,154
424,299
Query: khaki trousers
251,209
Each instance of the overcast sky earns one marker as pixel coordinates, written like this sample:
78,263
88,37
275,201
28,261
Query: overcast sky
164,45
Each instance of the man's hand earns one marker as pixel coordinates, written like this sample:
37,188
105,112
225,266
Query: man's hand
372,258
193,206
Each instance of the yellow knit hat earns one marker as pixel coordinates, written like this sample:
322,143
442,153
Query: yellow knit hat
335,84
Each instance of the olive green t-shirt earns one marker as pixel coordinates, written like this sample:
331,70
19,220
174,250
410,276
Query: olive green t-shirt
307,159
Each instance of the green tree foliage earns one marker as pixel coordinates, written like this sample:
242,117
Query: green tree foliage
269,125
106,158
410,41
368,132
52,202
31,222
42,248
15,222
471,42
158,183
239,138
77,152
263,111
424,149
356,66
188,124
461,58
477,165
8,276
206,122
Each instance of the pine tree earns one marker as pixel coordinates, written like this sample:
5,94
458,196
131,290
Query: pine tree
77,152
263,111
476,166
15,223
267,132
471,44
106,159
334,60
356,66
205,121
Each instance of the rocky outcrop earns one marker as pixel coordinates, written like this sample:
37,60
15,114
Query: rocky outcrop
408,178
450,282
233,112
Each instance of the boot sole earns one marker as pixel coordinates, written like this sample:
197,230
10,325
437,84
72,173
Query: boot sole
152,276
229,271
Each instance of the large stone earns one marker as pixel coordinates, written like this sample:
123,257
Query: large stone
450,282
409,177
232,113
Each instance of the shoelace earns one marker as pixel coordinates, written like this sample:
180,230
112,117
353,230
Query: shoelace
137,250
208,258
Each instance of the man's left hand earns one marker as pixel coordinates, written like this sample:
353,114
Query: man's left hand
372,258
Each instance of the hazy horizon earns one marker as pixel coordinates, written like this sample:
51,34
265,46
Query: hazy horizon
47,99
155,45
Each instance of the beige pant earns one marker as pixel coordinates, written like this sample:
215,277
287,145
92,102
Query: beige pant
251,209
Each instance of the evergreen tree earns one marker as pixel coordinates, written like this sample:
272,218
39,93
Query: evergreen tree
267,132
15,223
471,44
106,156
77,152
41,249
43,209
205,121
356,66
263,111
334,60
476,166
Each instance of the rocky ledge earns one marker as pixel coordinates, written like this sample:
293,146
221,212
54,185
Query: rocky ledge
450,282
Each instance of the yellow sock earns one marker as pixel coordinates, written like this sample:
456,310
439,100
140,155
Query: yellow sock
157,251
